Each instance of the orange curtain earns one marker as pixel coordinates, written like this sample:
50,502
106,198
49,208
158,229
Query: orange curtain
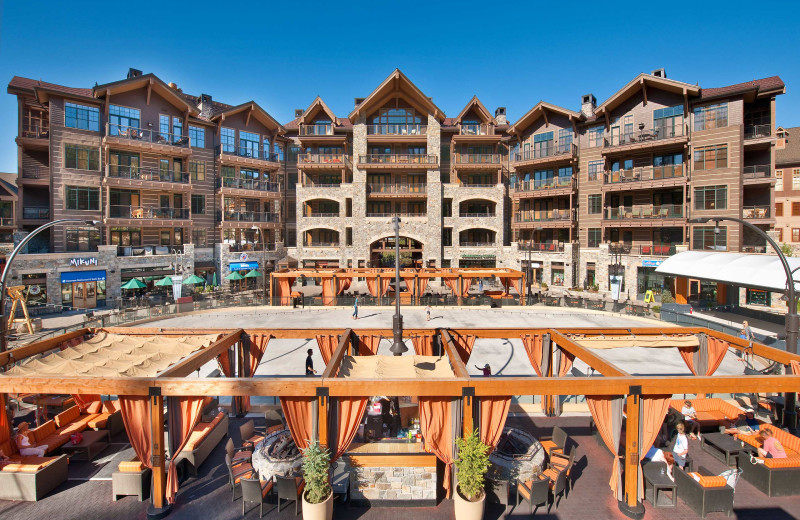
796,368
224,362
344,284
88,403
368,345
435,422
184,414
409,285
516,282
464,345
716,351
258,345
372,286
466,283
565,365
654,409
136,418
285,290
533,346
327,291
607,414
385,283
351,410
423,345
452,284
298,413
423,284
5,425
687,353
506,282
494,411
327,343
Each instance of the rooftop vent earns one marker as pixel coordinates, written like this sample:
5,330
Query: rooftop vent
134,73
659,73
298,112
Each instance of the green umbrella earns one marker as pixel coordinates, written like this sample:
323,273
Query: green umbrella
214,280
151,278
194,279
253,274
133,283
164,282
234,276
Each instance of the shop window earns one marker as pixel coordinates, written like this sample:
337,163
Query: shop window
557,274
758,297
35,288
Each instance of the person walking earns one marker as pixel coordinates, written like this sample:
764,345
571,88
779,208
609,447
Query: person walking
310,364
428,312
355,308
487,370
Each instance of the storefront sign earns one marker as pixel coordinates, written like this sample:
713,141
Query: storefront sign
80,262
243,257
651,263
479,257
242,266
83,276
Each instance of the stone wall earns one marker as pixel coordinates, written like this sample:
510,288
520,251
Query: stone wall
390,483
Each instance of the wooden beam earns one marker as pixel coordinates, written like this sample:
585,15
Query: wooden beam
340,387
149,90
587,356
644,91
544,114
203,356
466,415
336,359
404,460
631,469
32,349
455,360
157,439
247,118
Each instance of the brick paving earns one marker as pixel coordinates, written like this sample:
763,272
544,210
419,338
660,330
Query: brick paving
208,495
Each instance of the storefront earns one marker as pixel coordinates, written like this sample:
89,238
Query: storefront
83,289
557,273
647,279
247,282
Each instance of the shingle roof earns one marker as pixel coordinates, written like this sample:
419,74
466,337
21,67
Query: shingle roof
30,84
770,83
791,153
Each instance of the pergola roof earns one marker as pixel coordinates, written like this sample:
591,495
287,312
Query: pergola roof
477,272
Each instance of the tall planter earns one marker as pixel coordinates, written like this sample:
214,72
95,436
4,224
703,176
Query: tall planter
471,465
467,510
320,511
318,495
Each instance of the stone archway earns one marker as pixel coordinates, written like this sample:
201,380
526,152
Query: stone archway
381,252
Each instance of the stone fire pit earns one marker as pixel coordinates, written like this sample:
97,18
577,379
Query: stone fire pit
277,455
517,456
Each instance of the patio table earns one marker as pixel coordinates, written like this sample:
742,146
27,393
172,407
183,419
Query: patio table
721,446
656,483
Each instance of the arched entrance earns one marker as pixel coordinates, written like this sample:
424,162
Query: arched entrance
382,252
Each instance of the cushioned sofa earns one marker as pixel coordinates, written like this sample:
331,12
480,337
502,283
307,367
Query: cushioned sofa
28,477
203,439
708,494
774,477
712,412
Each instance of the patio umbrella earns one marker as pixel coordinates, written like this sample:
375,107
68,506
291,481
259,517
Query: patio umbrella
194,279
164,282
133,283
234,276
252,274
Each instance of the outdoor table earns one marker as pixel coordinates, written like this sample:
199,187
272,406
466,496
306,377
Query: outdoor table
655,482
721,446
93,443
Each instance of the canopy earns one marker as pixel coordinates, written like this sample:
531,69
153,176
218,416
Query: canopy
234,276
194,279
603,342
387,367
252,274
754,271
164,282
133,283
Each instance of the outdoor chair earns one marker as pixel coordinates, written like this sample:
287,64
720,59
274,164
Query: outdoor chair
556,442
534,492
290,488
238,455
249,435
707,495
237,473
253,490
558,484
561,462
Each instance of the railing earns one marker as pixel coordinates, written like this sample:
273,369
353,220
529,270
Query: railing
550,150
474,129
397,213
644,173
321,244
489,243
645,135
541,184
644,212
322,158
757,131
397,158
477,158
754,249
148,250
32,173
759,171
397,188
250,216
476,182
755,212
543,215
656,250
397,129
249,184
130,172
316,129
36,130
477,215
321,215
6,221
250,153
36,212
247,246
146,135
322,185
143,212
550,247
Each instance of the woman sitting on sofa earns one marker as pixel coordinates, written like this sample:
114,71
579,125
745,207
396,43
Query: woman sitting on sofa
772,448
23,440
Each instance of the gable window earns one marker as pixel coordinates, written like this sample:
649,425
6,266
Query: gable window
711,116
249,144
82,198
121,119
197,137
709,157
396,121
227,139
81,117
711,197
79,157
472,127
668,122
595,136
542,144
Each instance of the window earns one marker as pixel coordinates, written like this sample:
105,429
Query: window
542,144
81,117
165,237
796,209
595,204
123,164
39,280
122,118
668,122
595,136
705,238
81,157
82,239
711,116
780,234
293,151
227,137
348,236
177,128
123,236
198,170
795,234
199,238
163,126
796,178
198,204
447,208
779,209
708,157
83,199
249,144
565,140
197,137
758,297
594,237
447,237
595,167
278,151
778,180
711,197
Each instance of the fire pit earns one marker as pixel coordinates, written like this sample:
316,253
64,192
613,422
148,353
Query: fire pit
277,455
518,456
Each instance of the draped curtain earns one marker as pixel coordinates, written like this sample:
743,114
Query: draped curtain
285,290
796,368
716,350
466,283
385,283
607,414
224,362
706,357
372,286
298,414
368,345
534,347
563,360
184,414
423,284
687,353
5,424
344,284
136,418
327,291
88,403
423,345
494,412
452,284
435,422
351,410
654,409
327,343
258,345
517,283
464,345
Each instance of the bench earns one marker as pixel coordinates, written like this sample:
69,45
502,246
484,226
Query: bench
203,439
774,477
712,412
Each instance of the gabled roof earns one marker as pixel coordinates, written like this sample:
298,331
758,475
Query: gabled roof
646,80
172,95
479,108
41,89
790,153
256,111
315,107
538,111
772,84
397,84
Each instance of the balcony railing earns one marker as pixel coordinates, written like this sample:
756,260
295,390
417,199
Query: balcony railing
146,135
644,212
36,130
477,158
249,216
543,215
482,243
397,188
754,249
148,250
760,171
645,135
36,212
155,175
755,212
551,247
6,221
238,247
470,182
397,213
146,212
397,158
247,152
312,184
757,131
249,184
397,129
655,250
316,129
644,173
314,243
34,173
322,158
477,214
319,214
551,149
544,184
474,129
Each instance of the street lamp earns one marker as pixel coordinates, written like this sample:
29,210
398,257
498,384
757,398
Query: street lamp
792,319
263,258
398,347
11,257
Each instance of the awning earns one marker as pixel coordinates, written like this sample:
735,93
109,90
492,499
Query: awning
604,342
83,276
242,266
755,271
394,367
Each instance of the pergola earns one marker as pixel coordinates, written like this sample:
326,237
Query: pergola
462,390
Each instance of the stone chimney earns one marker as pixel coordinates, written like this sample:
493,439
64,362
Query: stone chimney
500,116
205,106
358,101
298,112
134,73
588,105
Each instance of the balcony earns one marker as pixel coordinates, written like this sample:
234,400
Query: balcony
398,162
35,135
148,250
757,131
554,215
408,190
317,161
477,182
476,161
478,214
317,214
551,247
146,139
657,137
654,250
756,213
475,129
757,174
644,177
34,175
316,130
247,187
551,152
317,243
247,156
644,216
398,214
236,247
402,130
478,244
155,179
36,213
234,216
553,186
147,213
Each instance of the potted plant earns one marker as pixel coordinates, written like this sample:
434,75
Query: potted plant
318,495
471,465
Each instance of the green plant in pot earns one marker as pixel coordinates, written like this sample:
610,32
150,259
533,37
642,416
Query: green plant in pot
471,467
317,496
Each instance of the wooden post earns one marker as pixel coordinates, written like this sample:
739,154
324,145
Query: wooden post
468,396
159,504
335,287
322,415
631,468
550,412
459,289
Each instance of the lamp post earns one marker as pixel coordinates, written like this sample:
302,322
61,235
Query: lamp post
11,257
263,258
398,347
792,319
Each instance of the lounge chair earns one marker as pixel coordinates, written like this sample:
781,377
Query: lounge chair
132,478
202,441
236,474
556,442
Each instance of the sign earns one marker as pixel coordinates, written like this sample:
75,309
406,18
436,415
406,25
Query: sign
480,257
242,266
80,262
83,276
243,257
616,283
535,265
651,263
177,284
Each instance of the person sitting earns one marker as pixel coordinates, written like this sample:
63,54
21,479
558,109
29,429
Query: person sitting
681,447
690,416
23,440
747,424
772,448
658,455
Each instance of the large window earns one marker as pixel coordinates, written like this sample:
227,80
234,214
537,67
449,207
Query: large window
710,238
82,198
396,116
711,116
778,180
227,138
277,150
542,144
708,157
595,136
668,122
711,197
595,236
199,238
79,157
124,236
197,137
595,168
197,169
123,164
564,140
82,239
122,118
81,117
198,204
249,144
796,178
595,204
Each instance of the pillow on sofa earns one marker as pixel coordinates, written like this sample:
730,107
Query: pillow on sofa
707,481
45,430
67,416
789,462
131,466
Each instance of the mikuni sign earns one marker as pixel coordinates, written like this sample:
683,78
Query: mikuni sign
81,262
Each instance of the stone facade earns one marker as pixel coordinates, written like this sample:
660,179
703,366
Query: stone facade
375,484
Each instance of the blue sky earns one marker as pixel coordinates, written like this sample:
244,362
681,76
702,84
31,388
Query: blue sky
283,54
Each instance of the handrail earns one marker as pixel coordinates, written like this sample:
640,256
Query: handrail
644,212
397,129
322,244
397,158
32,173
249,184
322,158
644,173
476,244
249,153
543,215
147,212
147,135
757,131
551,149
36,212
321,215
36,130
758,171
540,184
396,188
548,247
316,129
657,249
755,212
474,129
476,215
6,221
657,133
250,216
398,213
477,158
155,175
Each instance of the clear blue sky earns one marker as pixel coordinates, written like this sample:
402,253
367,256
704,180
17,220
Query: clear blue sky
283,54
